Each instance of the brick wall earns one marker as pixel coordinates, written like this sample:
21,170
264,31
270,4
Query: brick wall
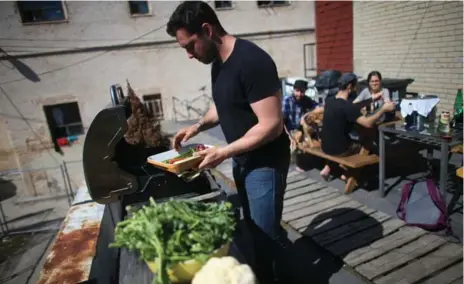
334,35
419,40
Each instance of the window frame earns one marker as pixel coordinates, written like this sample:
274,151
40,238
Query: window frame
137,15
151,101
63,7
307,48
273,5
232,6
48,112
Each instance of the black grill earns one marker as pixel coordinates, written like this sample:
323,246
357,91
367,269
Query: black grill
118,171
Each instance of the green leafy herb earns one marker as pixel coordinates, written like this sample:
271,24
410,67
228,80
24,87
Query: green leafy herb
175,231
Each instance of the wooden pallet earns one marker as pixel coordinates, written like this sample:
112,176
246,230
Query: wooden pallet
381,248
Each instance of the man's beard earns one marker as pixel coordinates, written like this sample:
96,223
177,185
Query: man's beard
210,55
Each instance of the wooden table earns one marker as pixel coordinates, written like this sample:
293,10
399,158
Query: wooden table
431,139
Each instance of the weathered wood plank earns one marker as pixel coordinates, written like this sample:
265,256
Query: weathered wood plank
342,208
310,202
288,217
364,238
351,228
132,269
383,245
304,190
400,256
299,201
300,184
420,269
453,273
339,221
309,196
294,178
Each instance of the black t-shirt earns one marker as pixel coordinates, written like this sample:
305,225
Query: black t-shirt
247,76
339,119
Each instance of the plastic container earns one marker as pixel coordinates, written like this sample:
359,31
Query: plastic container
185,271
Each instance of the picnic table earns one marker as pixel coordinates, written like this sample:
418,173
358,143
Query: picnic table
430,137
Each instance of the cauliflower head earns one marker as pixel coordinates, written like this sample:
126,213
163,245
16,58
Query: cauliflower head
226,270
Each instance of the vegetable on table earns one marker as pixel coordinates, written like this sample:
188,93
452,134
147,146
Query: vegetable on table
224,270
175,231
186,155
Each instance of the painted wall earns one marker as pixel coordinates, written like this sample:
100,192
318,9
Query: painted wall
159,66
412,39
334,35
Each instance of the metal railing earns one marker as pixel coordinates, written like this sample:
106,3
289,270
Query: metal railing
29,192
190,109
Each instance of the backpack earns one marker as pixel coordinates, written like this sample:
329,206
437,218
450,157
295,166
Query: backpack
422,205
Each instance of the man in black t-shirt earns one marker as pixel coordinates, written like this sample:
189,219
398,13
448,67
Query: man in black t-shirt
247,104
340,117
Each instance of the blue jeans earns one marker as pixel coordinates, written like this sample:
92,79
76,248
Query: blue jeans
261,192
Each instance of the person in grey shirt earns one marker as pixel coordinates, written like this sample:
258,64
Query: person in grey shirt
375,92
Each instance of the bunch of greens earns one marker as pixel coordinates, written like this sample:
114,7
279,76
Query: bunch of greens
175,231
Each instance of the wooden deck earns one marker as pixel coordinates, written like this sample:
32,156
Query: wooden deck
379,247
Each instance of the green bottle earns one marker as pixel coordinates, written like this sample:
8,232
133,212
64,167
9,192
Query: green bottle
457,117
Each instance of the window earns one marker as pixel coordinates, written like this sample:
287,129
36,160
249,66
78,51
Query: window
309,56
64,120
138,8
222,4
262,4
154,105
41,11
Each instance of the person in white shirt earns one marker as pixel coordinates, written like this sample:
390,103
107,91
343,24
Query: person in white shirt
374,91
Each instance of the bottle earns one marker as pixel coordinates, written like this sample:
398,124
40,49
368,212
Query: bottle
457,116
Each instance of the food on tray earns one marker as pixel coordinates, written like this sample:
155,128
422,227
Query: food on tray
225,270
176,231
190,153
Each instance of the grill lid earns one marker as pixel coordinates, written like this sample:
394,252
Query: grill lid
105,180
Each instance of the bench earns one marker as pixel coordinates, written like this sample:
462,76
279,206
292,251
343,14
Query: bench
351,164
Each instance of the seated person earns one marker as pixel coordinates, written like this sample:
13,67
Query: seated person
375,92
340,117
294,107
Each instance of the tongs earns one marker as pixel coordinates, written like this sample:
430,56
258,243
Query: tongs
190,175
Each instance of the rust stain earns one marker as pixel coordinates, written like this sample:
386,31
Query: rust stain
66,262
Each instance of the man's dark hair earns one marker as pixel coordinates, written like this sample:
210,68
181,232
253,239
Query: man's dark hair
190,15
343,86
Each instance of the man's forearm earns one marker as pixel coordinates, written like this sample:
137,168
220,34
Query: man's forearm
373,118
209,120
258,135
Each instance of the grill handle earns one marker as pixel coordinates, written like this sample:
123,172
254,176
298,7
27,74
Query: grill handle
117,94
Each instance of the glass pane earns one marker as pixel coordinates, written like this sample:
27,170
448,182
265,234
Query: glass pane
41,11
222,4
139,7
75,130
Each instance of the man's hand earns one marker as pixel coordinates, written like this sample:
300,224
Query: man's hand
211,157
377,96
303,117
364,111
184,135
388,106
